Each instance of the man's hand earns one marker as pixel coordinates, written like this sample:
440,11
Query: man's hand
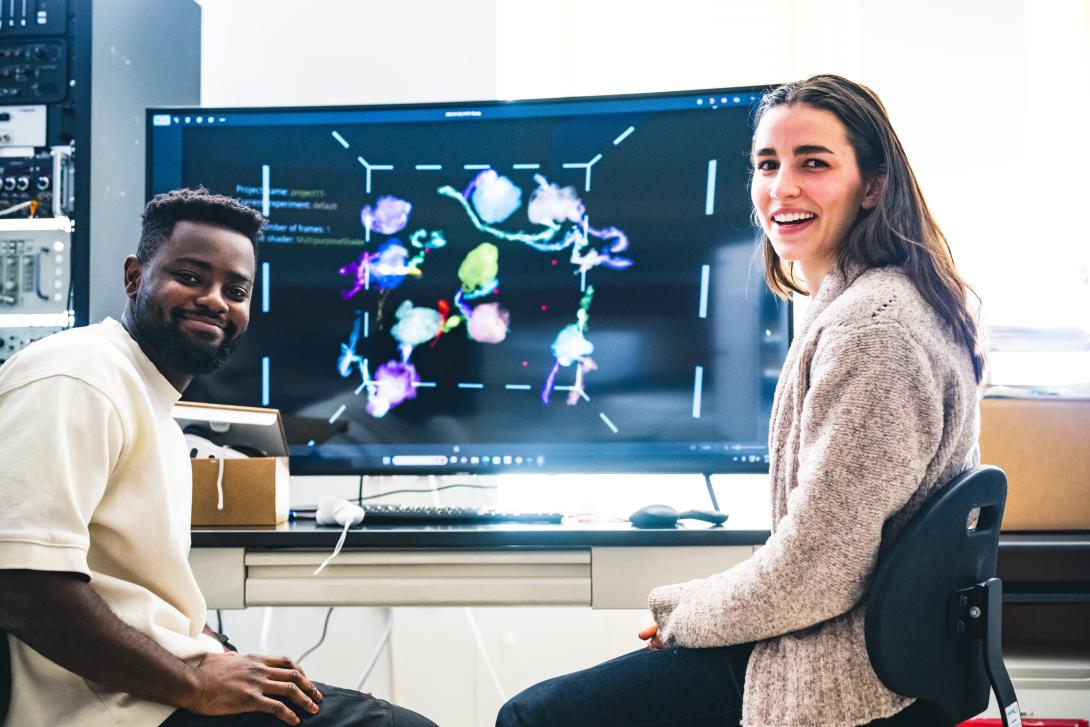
651,636
229,684
209,632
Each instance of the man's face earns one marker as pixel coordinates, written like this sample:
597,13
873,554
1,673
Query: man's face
191,301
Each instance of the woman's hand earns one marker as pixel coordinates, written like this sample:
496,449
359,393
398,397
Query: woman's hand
651,636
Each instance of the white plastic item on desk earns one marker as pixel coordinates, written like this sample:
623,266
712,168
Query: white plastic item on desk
337,511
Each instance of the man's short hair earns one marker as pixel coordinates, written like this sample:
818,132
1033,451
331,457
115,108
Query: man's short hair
196,205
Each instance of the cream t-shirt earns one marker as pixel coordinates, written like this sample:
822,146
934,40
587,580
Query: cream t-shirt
96,480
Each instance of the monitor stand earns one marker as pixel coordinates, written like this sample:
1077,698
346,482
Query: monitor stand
711,490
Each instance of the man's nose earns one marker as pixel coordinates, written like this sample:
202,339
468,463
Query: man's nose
213,299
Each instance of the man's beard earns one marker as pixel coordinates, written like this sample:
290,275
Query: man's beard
175,348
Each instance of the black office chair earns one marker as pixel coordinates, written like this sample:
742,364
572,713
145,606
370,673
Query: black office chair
5,676
934,609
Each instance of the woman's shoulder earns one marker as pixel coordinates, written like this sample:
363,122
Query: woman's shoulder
882,306
880,298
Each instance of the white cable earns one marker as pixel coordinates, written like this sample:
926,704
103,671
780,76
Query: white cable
266,629
472,618
321,639
203,448
337,511
336,550
432,484
383,640
15,208
219,484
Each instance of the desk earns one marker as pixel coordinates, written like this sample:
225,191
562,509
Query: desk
601,566
604,567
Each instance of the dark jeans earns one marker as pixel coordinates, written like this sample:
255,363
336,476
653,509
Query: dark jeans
340,708
666,688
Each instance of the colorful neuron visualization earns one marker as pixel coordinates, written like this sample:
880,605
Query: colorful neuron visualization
557,220
479,270
349,356
394,382
386,268
572,347
389,215
494,197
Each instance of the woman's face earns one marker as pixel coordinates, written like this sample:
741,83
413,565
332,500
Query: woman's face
807,188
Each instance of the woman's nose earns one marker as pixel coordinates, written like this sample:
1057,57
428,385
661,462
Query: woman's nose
784,186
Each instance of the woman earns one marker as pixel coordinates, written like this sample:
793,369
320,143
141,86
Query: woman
876,407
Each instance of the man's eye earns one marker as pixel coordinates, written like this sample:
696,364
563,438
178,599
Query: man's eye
187,278
239,294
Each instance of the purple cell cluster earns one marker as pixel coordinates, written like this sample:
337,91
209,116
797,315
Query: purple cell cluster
389,215
391,386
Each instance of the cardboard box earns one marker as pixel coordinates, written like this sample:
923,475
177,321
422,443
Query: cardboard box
1044,447
255,489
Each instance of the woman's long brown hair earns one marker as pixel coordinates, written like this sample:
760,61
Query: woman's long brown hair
900,229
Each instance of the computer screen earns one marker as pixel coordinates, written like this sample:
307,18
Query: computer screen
537,286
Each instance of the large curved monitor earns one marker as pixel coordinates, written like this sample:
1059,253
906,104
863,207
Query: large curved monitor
538,286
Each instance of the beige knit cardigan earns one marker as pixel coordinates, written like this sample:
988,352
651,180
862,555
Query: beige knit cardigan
877,405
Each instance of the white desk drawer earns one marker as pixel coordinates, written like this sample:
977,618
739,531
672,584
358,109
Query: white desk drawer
410,578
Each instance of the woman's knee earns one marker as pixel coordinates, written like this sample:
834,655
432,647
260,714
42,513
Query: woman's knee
518,710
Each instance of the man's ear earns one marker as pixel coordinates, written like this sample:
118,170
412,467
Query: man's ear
872,193
133,271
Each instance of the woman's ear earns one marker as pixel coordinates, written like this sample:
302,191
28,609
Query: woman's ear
132,272
872,193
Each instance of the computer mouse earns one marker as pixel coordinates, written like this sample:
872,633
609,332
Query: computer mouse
664,516
654,516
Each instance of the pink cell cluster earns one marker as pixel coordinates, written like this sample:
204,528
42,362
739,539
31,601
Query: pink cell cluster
488,323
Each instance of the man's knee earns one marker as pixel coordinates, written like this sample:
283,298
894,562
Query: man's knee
401,717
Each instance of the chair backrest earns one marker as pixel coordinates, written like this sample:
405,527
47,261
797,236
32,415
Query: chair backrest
5,676
917,639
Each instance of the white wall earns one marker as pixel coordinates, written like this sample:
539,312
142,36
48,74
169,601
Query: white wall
990,98
273,53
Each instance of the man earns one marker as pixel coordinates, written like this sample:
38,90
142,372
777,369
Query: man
106,624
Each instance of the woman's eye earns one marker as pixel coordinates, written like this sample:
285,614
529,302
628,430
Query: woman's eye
814,163
766,165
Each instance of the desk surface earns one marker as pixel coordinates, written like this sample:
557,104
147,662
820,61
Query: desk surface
307,534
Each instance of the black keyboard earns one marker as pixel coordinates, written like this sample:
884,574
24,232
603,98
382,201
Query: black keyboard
404,514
